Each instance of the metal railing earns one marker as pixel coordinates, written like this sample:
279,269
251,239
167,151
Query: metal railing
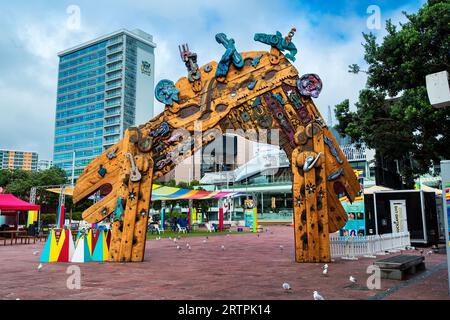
368,246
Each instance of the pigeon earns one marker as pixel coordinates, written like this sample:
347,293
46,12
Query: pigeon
317,296
281,247
421,252
179,238
35,252
39,266
325,266
222,247
189,248
228,235
174,240
178,247
187,245
429,252
258,235
352,279
286,286
325,271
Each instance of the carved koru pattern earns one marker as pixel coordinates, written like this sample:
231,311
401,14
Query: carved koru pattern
243,91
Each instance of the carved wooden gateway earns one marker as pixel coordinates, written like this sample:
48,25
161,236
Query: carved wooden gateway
259,91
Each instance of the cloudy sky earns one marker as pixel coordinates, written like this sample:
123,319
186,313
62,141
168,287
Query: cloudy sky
329,36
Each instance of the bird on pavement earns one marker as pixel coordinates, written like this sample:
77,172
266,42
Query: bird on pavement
286,286
39,266
35,252
352,279
317,296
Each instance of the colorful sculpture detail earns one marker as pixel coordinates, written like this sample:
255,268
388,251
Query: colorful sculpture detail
264,92
310,85
190,59
230,56
166,92
276,40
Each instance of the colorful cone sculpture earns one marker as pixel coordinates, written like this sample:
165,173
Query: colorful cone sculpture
101,248
68,248
54,245
81,253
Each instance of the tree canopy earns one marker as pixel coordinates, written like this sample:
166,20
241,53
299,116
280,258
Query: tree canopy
393,114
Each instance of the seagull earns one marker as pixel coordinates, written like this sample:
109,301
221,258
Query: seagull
317,296
352,279
39,266
286,286
36,252
222,247
204,241
206,237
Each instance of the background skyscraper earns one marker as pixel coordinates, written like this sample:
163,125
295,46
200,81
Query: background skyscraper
104,87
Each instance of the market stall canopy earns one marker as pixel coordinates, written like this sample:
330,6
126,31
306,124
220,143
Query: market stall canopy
8,202
160,192
170,193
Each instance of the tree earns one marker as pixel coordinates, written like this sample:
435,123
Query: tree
406,128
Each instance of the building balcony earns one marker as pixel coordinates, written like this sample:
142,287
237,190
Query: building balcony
111,51
114,68
112,122
114,59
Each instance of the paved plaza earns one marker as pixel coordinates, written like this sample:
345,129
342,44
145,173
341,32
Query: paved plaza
248,267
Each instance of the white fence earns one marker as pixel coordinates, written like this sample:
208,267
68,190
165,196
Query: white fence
368,246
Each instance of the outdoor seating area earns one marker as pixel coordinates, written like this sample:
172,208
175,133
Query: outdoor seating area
12,211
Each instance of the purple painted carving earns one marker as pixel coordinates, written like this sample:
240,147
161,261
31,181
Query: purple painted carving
310,85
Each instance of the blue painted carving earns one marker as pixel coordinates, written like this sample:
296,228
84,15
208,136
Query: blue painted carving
279,98
166,92
230,56
252,85
277,41
256,60
161,131
310,85
336,175
118,210
257,102
333,149
102,171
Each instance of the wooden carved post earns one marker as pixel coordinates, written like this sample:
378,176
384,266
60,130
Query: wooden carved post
129,226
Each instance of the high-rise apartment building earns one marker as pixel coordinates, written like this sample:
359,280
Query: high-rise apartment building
104,87
24,160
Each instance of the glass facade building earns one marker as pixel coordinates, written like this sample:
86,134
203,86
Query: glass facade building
104,87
